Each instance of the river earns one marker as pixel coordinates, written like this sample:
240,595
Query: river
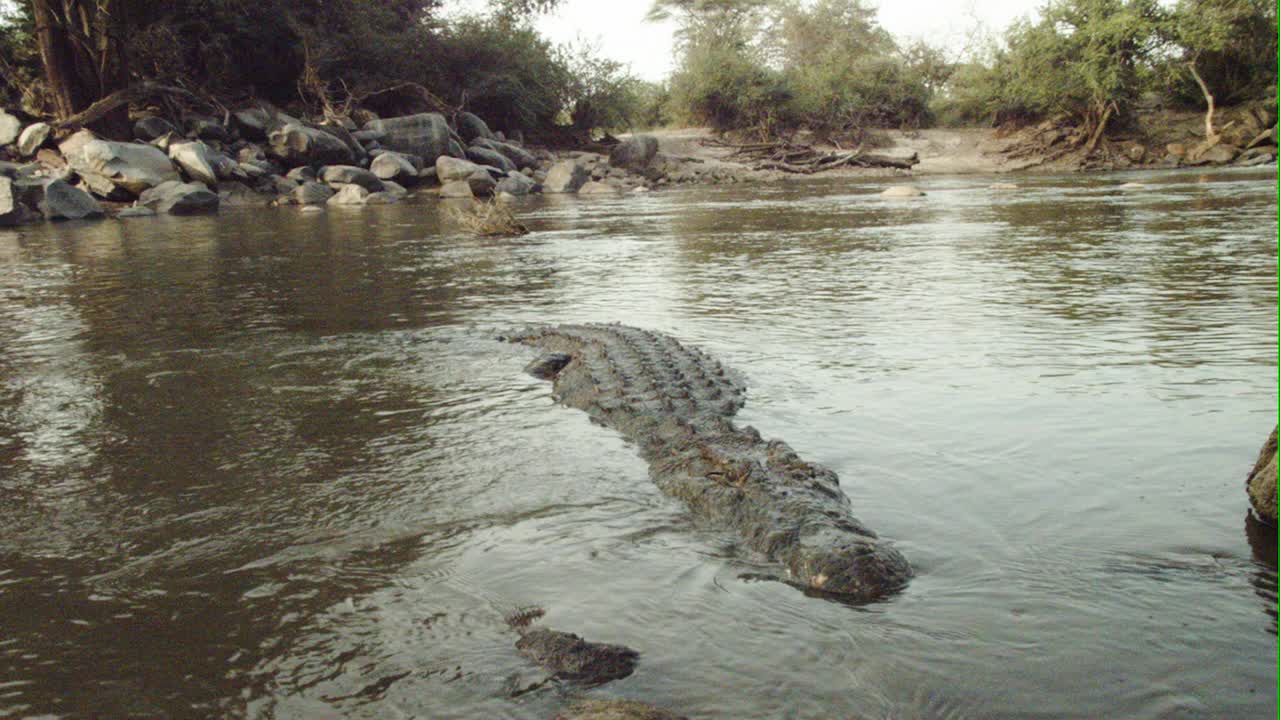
276,465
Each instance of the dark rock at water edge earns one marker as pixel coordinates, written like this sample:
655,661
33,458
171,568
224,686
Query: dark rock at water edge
425,134
1262,482
634,153
61,201
151,127
492,158
178,198
471,127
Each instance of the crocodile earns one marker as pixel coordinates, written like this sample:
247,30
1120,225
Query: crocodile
676,404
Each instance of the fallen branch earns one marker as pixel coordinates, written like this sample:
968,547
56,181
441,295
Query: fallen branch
125,97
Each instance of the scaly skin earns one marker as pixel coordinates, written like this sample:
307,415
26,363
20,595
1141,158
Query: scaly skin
676,403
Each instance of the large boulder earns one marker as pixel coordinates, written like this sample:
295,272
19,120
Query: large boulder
456,189
336,175
598,187
634,153
32,138
10,128
295,144
516,154
12,211
253,123
394,166
131,167
199,161
350,195
492,158
471,127
566,176
340,131
1262,482
311,192
179,198
425,134
60,201
516,184
449,169
482,183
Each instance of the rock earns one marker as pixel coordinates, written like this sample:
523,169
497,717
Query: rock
1218,153
456,189
1002,186
449,169
616,710
253,171
197,160
1257,156
369,136
295,145
394,189
1132,186
1136,153
235,193
568,657
12,211
350,175
566,176
32,138
303,174
457,150
60,201
1177,151
640,189
492,158
10,128
902,191
634,153
395,166
132,167
278,184
312,193
471,127
179,198
598,188
1262,482
207,128
382,198
165,141
350,195
151,127
340,131
516,154
516,184
482,183
253,123
51,159
311,209
132,212
425,134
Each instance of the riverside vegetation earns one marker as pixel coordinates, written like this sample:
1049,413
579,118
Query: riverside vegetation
181,107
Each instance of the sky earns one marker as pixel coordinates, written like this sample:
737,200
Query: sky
619,28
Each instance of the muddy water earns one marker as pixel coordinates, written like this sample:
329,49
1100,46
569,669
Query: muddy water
274,465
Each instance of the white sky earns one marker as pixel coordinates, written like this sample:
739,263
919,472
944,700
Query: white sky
622,33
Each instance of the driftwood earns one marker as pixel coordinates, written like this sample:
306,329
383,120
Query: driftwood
801,159
128,96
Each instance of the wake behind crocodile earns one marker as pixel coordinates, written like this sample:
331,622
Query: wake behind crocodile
676,404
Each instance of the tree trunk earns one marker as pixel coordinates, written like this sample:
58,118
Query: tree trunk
1097,131
81,48
1208,98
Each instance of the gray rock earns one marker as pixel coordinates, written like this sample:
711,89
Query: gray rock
340,131
278,184
235,193
424,134
634,153
493,158
165,141
179,198
312,193
569,657
303,174
457,150
351,175
12,211
32,138
394,166
1257,156
207,128
566,176
151,127
516,154
133,212
471,127
482,183
101,186
516,184
61,201
253,123
295,145
902,191
349,195
449,169
197,160
382,198
368,136
1262,482
456,189
132,167
10,128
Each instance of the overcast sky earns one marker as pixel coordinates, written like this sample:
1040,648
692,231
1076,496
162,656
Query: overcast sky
623,34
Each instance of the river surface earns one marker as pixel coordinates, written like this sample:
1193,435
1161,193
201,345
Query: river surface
276,465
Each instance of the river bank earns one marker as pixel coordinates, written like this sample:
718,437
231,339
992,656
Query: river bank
262,156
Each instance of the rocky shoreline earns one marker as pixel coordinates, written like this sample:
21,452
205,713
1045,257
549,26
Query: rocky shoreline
261,156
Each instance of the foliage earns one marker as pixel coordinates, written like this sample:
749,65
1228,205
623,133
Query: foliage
1233,46
603,94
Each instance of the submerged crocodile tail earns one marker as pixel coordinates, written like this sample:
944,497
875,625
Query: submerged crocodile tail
676,404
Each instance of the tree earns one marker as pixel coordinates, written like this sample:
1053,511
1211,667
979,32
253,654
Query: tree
82,49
